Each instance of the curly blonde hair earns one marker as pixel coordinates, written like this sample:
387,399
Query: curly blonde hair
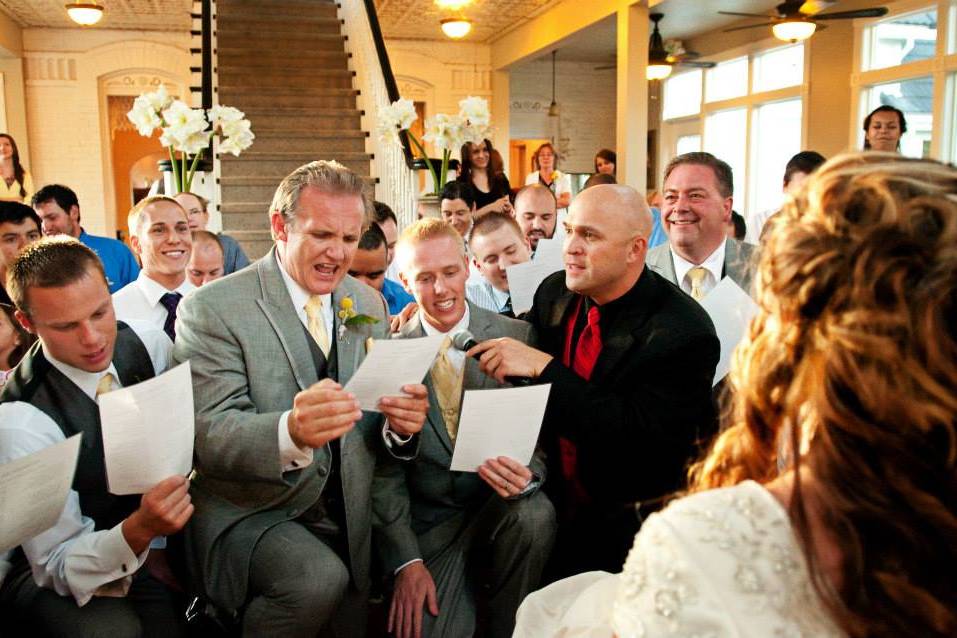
850,371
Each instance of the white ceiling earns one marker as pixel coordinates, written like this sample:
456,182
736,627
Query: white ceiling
419,19
156,15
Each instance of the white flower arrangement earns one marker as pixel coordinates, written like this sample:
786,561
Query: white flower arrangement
187,131
445,132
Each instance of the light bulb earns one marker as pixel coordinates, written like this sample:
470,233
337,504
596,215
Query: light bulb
456,28
793,30
657,71
84,13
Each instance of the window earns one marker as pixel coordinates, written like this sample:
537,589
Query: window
688,144
901,39
779,68
950,111
727,80
682,95
776,137
725,137
915,98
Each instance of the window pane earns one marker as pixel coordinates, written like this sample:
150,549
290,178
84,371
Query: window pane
775,138
682,95
779,68
725,133
915,98
688,144
951,110
902,39
727,80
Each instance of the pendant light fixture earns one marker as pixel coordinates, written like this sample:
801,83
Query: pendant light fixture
456,28
553,107
85,13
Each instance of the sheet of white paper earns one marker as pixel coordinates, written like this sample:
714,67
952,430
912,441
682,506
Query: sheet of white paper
501,422
33,490
391,364
731,310
524,279
148,431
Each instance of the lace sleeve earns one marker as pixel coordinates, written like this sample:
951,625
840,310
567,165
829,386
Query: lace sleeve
721,563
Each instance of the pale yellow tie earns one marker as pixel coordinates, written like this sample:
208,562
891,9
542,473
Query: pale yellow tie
696,275
105,385
317,324
447,383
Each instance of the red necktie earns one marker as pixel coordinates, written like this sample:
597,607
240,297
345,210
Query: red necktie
589,346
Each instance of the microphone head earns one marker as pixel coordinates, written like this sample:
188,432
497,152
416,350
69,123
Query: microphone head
464,340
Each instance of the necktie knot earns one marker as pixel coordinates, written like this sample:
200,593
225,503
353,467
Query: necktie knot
594,316
105,384
696,277
170,301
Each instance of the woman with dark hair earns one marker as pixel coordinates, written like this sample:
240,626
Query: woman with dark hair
883,128
487,177
14,341
546,173
605,161
828,504
17,185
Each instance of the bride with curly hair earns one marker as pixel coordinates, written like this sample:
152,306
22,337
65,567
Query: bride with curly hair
828,505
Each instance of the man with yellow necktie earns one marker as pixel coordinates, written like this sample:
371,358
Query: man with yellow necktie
287,464
446,528
698,196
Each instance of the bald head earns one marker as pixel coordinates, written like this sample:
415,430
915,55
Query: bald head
207,261
607,232
535,211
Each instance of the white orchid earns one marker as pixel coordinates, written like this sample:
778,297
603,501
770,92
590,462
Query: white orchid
144,117
219,115
475,111
444,131
194,144
405,113
182,122
158,99
237,143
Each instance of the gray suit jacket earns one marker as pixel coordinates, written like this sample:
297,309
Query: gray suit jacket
740,260
250,356
431,496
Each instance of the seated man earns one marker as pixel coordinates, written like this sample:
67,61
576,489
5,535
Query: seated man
496,242
446,527
696,212
535,212
85,576
59,209
19,226
196,210
369,266
285,459
630,359
159,234
206,261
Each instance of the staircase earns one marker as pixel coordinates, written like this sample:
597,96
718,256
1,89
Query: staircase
283,62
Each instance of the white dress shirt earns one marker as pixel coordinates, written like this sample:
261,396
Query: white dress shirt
456,356
291,456
70,557
140,300
714,264
485,295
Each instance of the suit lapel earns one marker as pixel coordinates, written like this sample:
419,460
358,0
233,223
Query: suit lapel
629,321
662,263
473,378
352,344
413,330
277,306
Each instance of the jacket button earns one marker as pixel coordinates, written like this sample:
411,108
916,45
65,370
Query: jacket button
292,513
323,470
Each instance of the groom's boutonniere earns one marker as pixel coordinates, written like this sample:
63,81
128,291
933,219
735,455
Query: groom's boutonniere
349,318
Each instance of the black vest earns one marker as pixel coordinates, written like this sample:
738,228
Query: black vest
37,382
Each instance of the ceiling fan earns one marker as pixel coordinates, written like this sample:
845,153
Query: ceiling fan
662,59
795,20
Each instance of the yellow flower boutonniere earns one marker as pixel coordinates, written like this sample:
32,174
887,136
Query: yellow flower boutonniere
349,318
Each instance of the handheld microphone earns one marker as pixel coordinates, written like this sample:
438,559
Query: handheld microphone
465,341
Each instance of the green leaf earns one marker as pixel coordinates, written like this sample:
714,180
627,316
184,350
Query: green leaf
359,320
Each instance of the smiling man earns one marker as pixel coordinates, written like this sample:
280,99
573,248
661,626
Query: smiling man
451,534
84,576
630,359
159,234
286,461
496,242
696,212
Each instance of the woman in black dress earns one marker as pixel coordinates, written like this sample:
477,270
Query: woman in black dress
487,178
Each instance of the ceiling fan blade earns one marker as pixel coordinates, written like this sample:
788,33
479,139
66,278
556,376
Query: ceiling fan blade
746,15
689,55
698,65
750,26
875,12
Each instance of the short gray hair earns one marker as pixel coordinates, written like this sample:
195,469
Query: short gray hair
328,177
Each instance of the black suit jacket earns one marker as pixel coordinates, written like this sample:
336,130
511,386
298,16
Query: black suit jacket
637,422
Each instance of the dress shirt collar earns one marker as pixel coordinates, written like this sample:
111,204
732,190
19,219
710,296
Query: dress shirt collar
300,296
500,297
86,381
431,330
153,290
714,264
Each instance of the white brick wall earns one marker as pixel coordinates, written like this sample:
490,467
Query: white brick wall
68,74
586,98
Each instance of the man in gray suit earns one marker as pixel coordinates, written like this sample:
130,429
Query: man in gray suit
446,529
285,458
698,195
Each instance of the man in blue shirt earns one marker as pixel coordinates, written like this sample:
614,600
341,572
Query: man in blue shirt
369,265
59,210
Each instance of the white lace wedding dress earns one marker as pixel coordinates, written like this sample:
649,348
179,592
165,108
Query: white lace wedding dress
723,563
